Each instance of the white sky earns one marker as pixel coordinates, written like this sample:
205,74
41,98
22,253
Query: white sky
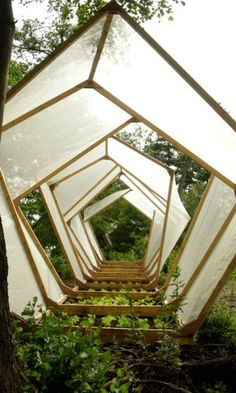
201,38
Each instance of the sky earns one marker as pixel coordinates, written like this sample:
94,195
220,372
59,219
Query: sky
201,38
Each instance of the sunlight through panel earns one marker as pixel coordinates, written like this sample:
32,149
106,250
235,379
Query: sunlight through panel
37,147
69,68
151,87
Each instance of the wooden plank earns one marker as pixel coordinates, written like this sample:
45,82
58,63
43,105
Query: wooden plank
101,44
128,285
132,295
45,105
76,172
99,310
160,252
123,279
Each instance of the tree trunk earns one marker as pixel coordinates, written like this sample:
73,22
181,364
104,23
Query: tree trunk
10,376
184,175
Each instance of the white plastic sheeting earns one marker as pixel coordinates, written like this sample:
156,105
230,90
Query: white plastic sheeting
177,219
174,106
135,184
78,228
211,274
137,199
93,240
153,175
93,193
91,210
88,158
70,68
219,201
65,240
76,187
55,136
22,283
53,290
155,237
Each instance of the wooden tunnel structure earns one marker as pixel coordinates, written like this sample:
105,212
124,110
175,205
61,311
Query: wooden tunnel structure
58,136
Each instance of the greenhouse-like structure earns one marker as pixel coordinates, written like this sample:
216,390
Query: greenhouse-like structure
59,137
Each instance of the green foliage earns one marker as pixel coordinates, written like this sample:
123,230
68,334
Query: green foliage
218,387
121,231
132,321
217,328
59,361
192,196
168,352
108,320
17,71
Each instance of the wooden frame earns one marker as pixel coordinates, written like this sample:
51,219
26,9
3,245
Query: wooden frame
159,258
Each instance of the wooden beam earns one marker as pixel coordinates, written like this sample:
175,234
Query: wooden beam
45,105
76,172
101,44
164,229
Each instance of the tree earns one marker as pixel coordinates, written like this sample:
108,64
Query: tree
10,375
36,39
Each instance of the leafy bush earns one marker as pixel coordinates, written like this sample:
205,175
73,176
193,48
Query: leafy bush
217,328
60,361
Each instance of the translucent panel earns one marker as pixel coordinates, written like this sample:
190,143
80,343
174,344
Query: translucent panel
76,187
85,265
177,220
93,239
210,275
93,193
150,173
90,211
22,284
77,225
35,148
137,199
69,68
135,184
146,83
87,159
50,284
57,221
154,237
215,209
